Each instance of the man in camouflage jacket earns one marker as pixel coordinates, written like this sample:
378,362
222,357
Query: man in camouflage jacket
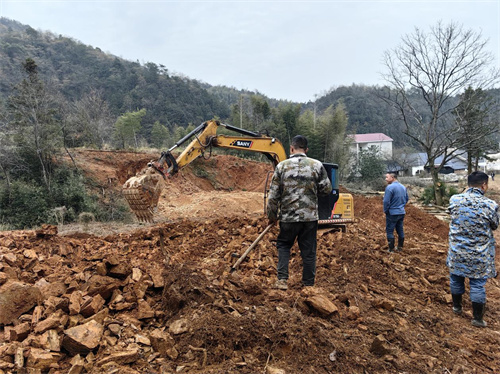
471,251
293,200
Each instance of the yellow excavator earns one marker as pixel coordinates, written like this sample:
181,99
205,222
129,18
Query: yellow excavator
142,191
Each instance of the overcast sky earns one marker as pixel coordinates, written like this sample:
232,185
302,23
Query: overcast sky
289,50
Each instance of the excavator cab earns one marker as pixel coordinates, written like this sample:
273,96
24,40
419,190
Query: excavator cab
336,208
326,204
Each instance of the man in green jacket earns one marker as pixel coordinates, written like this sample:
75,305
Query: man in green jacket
293,200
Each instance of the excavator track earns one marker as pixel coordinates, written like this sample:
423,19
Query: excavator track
142,193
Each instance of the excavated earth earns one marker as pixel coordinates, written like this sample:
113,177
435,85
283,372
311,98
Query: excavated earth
161,297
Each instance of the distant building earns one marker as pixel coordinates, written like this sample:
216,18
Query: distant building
364,141
414,163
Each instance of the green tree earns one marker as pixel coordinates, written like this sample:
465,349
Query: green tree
370,164
127,127
286,120
332,125
159,135
260,111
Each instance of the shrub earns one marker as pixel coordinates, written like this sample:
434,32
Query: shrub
27,204
428,196
24,205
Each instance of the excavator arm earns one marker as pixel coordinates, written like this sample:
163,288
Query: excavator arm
142,191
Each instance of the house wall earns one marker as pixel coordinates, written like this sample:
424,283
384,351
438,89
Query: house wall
385,148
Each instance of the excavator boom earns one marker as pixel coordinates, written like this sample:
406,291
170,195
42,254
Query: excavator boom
143,191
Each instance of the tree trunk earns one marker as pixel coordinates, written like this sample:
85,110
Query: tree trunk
437,184
45,173
469,162
70,156
7,178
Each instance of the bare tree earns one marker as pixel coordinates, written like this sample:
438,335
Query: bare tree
93,119
425,73
34,123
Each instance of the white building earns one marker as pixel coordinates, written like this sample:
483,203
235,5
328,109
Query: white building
364,141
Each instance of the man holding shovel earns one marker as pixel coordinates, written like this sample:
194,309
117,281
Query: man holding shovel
293,200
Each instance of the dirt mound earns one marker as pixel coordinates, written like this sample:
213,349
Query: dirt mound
164,299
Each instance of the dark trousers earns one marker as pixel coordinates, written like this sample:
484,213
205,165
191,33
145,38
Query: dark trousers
394,221
305,233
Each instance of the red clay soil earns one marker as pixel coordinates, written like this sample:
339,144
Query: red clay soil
393,310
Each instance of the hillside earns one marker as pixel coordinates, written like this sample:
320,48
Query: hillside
74,69
160,298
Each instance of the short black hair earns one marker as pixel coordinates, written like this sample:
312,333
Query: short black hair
477,178
299,141
393,174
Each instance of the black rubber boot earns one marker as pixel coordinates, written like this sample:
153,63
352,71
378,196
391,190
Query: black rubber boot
457,303
401,242
391,244
478,310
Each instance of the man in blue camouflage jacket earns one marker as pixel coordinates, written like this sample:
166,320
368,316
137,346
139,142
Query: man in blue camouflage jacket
293,200
471,251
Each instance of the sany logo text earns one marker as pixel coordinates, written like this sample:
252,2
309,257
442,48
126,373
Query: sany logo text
242,143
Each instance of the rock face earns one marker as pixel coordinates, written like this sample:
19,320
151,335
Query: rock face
16,298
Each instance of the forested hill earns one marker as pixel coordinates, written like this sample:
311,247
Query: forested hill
74,68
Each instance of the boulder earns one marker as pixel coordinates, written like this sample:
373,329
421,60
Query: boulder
102,285
92,306
46,231
83,338
43,360
379,346
58,319
318,301
163,343
121,271
16,298
19,332
77,365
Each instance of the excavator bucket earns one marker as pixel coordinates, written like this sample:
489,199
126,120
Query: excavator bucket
142,193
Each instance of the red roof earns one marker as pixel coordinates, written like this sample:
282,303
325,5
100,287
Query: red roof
371,138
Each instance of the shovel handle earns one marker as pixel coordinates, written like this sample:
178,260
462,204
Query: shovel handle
252,246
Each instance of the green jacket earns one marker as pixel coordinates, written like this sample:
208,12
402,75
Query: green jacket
295,186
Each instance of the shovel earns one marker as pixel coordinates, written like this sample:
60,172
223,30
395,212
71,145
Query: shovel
252,246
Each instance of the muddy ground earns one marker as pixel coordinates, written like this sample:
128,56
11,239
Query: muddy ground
370,312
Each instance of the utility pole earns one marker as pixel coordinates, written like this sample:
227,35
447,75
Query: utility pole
241,111
314,121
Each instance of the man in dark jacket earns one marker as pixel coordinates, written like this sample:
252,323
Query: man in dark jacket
395,199
471,252
293,200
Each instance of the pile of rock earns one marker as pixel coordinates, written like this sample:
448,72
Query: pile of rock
63,320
